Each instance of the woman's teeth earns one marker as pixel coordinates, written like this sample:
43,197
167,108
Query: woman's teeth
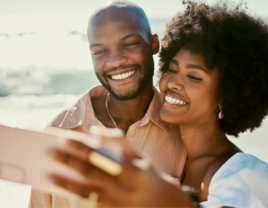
122,76
172,100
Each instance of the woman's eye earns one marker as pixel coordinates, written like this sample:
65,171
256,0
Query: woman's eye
171,71
195,78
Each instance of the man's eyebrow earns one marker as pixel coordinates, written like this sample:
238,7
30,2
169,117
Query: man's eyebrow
94,45
128,36
124,38
192,66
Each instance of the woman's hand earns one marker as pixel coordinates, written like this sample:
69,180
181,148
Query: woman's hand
138,184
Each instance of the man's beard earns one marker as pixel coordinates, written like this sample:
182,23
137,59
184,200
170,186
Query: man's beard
147,71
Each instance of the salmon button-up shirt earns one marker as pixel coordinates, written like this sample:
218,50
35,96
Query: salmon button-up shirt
160,140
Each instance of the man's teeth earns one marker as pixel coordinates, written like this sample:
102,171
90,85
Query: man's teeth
174,100
123,76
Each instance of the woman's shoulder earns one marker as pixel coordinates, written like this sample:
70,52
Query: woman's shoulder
240,181
242,162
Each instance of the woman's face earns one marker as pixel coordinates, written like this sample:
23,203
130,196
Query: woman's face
189,91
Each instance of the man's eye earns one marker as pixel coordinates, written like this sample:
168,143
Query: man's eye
98,53
130,44
195,78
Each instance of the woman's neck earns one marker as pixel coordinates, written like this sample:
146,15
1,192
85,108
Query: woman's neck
203,140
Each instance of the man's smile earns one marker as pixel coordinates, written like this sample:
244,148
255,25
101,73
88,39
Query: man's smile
123,75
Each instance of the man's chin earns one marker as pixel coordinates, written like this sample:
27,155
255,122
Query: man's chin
141,85
125,96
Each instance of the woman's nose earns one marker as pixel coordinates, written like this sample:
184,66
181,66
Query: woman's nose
175,83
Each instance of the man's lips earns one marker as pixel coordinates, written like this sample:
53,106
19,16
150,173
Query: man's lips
122,74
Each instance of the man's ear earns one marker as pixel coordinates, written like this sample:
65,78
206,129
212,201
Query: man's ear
155,43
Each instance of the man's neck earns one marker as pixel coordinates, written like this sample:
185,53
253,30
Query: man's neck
127,112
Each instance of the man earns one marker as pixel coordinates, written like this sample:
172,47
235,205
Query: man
121,46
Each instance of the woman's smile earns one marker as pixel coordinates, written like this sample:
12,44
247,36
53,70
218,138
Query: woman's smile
173,100
184,99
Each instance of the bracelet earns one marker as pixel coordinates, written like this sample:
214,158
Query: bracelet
194,195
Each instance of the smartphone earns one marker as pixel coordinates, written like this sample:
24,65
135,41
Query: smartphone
24,157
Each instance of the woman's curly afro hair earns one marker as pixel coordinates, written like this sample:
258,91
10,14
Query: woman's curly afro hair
237,44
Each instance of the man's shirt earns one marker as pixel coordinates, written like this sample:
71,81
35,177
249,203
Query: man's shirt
151,135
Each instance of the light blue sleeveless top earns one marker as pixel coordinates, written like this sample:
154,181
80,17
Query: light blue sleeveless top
240,182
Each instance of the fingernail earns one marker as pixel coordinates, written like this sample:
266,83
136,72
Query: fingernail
69,141
98,130
115,132
51,179
53,153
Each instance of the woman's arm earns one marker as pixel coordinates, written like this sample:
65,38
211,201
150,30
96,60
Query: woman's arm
138,185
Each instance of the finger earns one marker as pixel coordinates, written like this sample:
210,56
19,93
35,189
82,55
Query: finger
83,149
83,190
133,165
109,161
136,169
71,185
111,139
115,147
101,178
95,175
103,131
126,150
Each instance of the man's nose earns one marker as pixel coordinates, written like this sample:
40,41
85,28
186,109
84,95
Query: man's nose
116,59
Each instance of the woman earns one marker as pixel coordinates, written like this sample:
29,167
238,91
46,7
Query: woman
214,67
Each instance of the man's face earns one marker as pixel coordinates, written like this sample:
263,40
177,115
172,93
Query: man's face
121,52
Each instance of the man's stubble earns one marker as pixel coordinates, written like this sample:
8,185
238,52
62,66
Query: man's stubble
147,72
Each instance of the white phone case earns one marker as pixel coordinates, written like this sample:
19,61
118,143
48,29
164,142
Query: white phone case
24,157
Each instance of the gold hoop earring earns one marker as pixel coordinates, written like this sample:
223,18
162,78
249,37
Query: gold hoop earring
221,112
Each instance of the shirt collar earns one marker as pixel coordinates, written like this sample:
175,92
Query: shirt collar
153,113
82,112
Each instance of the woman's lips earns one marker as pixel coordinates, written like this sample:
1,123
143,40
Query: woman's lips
175,101
172,102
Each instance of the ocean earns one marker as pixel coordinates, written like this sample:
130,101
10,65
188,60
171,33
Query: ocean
46,70
45,67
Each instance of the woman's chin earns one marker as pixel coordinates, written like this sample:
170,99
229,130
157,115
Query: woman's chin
168,117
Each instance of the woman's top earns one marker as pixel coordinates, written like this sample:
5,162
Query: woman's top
242,181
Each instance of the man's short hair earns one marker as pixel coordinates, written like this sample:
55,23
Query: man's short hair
126,5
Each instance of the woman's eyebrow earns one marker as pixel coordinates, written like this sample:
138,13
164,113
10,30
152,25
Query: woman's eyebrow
192,66
189,66
174,62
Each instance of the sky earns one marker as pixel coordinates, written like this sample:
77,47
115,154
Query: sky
38,31
153,8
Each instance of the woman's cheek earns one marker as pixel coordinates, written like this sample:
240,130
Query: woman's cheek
162,86
162,83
